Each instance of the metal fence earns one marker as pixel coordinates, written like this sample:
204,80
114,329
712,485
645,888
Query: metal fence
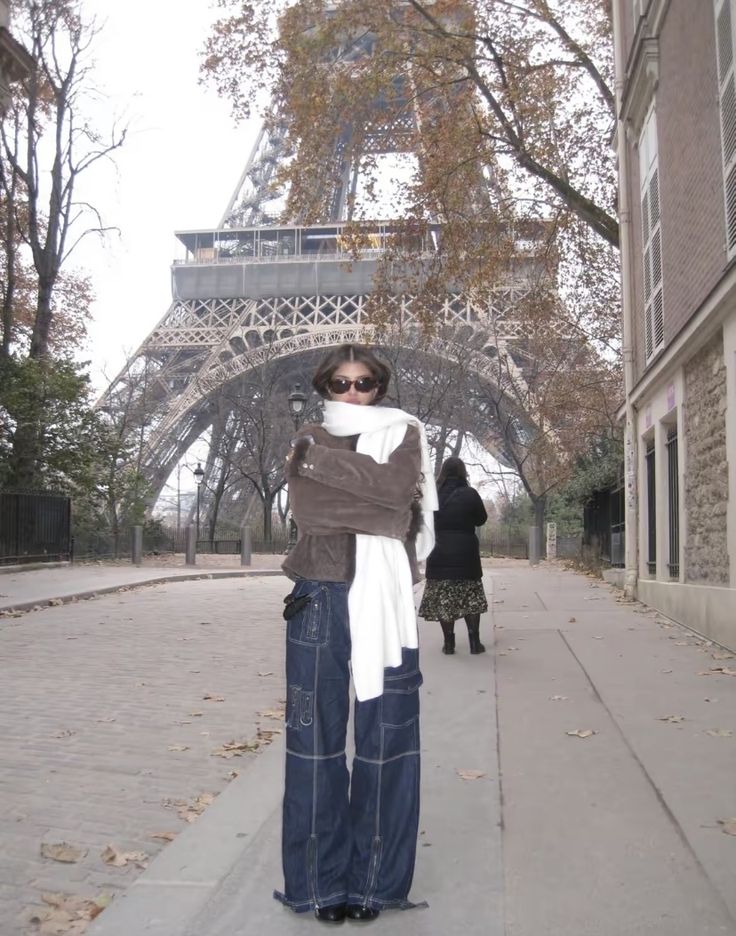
604,534
161,541
34,527
503,542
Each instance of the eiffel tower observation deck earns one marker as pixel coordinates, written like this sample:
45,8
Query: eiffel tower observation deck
254,299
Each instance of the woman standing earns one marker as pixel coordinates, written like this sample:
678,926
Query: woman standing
362,492
454,587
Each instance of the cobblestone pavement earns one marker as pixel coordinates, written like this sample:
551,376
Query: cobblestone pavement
110,711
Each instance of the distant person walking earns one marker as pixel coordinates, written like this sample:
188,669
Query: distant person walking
454,586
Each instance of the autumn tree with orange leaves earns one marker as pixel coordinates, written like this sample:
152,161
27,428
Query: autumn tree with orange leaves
507,110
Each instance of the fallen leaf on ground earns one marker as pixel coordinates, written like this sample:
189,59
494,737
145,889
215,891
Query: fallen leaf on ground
196,714
671,718
62,851
113,856
572,620
164,836
581,733
558,698
681,643
719,732
728,825
266,734
599,638
235,748
273,713
68,916
208,697
178,747
715,670
190,811
666,671
111,719
269,673
718,655
470,774
64,733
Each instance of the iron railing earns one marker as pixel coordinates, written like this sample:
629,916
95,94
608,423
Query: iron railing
673,504
34,527
651,511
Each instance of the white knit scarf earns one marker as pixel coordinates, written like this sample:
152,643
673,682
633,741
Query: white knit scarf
381,599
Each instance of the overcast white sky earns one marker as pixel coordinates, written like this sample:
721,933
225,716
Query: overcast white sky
177,170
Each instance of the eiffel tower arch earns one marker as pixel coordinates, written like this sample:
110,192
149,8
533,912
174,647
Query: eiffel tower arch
254,291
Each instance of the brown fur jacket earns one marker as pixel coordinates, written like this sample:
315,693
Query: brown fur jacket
336,492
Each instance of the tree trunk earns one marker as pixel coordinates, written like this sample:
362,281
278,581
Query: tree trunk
42,325
267,516
540,506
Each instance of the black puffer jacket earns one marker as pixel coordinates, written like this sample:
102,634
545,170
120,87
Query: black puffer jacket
456,554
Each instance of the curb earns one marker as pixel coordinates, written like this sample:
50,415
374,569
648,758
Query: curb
69,598
182,879
33,567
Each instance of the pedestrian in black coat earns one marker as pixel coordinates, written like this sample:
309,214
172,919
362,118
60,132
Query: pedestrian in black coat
454,587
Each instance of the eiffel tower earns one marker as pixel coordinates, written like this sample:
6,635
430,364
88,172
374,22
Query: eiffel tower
254,291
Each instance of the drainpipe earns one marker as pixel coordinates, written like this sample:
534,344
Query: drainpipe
627,313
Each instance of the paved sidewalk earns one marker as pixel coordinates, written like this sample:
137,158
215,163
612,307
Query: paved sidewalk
615,832
21,589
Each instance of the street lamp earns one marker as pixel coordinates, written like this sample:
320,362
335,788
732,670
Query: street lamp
297,404
199,478
297,407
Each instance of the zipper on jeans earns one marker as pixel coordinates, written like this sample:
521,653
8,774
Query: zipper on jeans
311,869
373,869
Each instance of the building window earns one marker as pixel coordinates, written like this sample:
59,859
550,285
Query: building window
651,237
673,503
727,99
651,512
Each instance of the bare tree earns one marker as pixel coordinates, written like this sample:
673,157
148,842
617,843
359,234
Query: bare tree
47,145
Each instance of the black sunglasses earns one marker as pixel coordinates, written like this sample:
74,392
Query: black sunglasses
340,385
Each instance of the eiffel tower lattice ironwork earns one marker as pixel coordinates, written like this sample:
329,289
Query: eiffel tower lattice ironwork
253,290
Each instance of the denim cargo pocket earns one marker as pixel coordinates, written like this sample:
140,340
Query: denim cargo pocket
311,626
401,690
400,740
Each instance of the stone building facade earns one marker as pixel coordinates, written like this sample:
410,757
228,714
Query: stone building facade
15,62
676,144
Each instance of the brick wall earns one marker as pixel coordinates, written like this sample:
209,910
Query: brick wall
706,469
690,172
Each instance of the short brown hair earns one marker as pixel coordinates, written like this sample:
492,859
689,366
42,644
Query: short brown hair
351,352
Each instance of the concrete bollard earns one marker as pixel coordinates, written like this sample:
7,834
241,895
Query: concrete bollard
245,546
136,548
191,540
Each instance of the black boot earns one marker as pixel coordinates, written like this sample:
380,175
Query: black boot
473,622
448,631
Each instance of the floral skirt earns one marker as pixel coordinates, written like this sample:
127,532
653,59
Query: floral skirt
449,600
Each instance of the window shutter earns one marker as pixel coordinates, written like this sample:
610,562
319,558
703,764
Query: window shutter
727,98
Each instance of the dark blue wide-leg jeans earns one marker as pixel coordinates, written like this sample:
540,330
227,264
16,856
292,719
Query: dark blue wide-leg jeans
346,839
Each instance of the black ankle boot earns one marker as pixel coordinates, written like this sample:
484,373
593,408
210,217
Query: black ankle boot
473,622
448,632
